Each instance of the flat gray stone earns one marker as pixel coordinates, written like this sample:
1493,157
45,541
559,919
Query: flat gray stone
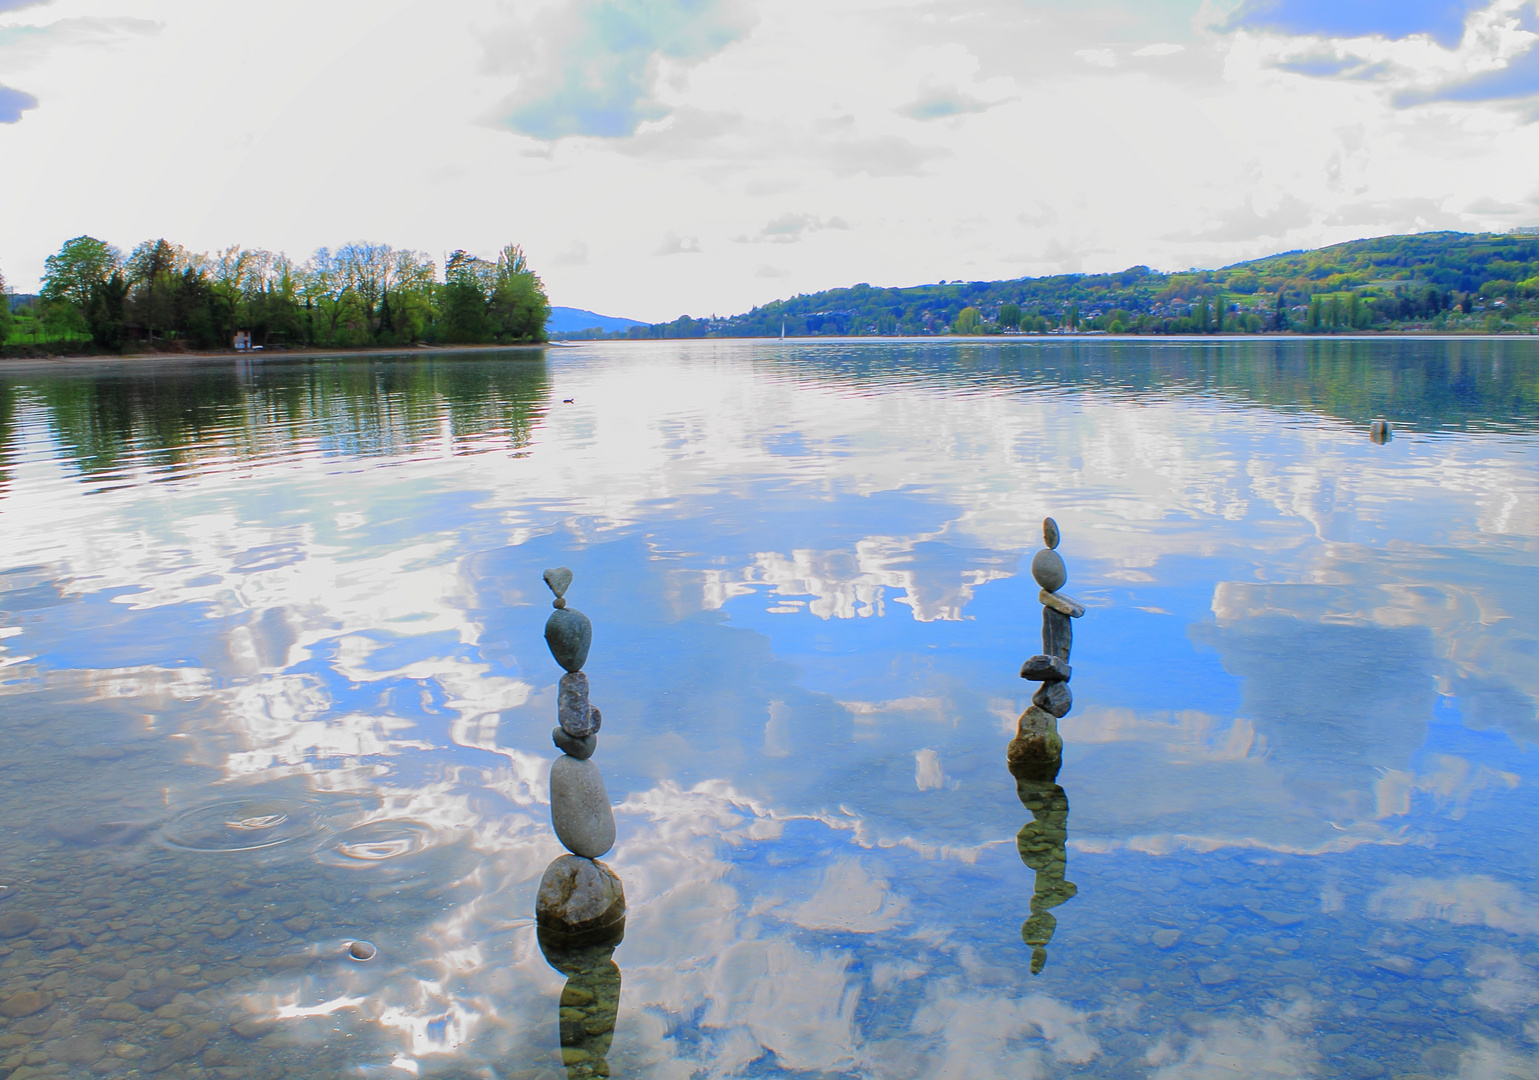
1054,697
1217,975
1050,532
1057,634
1046,669
578,898
1048,568
569,634
578,719
559,580
1059,602
579,807
581,749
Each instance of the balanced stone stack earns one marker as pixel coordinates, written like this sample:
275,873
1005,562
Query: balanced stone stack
1037,750
1036,753
581,901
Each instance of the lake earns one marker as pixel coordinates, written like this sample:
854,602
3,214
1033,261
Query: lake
273,682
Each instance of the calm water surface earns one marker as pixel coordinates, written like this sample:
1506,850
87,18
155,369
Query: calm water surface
272,680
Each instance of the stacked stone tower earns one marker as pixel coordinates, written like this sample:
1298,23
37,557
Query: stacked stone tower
581,901
1036,753
580,911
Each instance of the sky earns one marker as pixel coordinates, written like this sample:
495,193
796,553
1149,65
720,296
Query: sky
663,157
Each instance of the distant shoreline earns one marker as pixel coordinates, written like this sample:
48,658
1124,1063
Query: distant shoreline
85,360
89,359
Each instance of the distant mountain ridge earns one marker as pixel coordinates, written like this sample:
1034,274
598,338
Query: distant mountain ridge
1439,280
571,320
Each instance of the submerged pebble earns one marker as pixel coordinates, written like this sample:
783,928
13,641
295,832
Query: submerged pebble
361,950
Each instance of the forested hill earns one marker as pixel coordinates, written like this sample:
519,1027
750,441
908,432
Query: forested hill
1444,281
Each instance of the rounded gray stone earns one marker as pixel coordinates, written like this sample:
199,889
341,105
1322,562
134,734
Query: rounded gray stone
1047,568
578,897
1050,532
581,749
579,807
559,580
569,634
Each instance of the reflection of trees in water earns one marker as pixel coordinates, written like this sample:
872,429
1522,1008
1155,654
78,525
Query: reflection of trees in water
7,428
1043,844
163,413
1428,385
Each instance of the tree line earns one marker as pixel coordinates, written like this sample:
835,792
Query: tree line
162,296
1434,281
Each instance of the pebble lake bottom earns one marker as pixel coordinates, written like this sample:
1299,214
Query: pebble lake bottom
274,695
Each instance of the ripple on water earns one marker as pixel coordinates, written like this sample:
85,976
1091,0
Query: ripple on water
377,842
242,825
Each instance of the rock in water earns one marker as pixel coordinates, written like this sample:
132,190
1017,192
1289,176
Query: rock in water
578,718
569,634
1046,669
581,749
579,901
1054,697
579,807
1059,602
1057,634
1036,752
1048,568
1050,532
559,580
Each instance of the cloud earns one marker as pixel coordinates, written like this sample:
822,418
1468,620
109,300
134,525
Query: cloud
576,255
1441,20
1164,49
13,103
768,271
23,46
938,103
789,228
674,244
1475,900
1518,79
1099,57
16,5
592,68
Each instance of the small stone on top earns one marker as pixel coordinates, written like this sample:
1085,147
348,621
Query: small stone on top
559,580
1050,532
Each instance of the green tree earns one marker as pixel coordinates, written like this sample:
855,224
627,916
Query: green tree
5,311
967,321
81,264
1281,314
1010,316
104,313
465,294
519,308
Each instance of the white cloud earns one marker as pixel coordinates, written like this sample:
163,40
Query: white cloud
611,123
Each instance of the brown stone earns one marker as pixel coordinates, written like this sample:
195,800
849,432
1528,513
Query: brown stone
579,900
24,1003
17,923
78,1050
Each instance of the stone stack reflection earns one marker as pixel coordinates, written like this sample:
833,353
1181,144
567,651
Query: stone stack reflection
580,909
1036,752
